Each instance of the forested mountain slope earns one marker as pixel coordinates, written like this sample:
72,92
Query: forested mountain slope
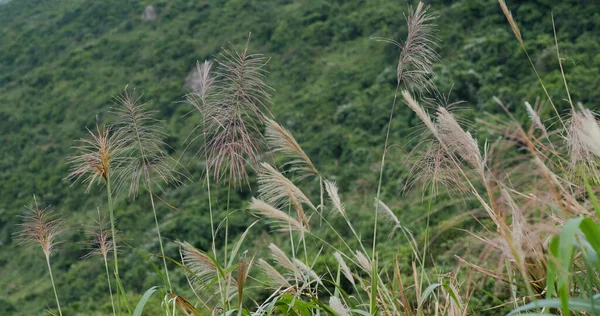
62,62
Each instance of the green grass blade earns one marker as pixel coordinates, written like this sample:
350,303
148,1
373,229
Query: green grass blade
428,292
566,245
238,244
591,195
140,306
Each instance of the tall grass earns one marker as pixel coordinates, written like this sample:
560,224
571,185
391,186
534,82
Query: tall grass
100,244
40,227
97,159
148,162
533,187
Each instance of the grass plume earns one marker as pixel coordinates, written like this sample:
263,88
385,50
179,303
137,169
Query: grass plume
281,220
148,162
282,141
40,227
97,158
100,244
232,120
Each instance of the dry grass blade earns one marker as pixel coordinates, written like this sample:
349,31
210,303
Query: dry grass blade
282,221
282,141
243,270
332,190
39,226
148,162
97,157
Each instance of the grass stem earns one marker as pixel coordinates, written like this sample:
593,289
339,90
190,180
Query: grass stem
53,285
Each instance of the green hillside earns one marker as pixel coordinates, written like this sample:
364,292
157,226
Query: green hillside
62,62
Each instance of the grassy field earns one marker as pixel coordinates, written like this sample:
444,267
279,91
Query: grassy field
472,187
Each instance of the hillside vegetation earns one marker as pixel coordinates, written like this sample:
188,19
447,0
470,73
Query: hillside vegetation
62,63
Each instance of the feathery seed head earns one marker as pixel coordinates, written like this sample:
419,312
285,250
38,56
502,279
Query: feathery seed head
415,64
206,78
230,145
583,137
97,157
203,268
412,103
388,215
148,161
281,220
332,190
275,278
275,189
100,238
234,106
243,76
204,93
511,21
363,262
281,140
307,272
339,307
535,118
453,137
433,167
344,267
282,259
39,226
